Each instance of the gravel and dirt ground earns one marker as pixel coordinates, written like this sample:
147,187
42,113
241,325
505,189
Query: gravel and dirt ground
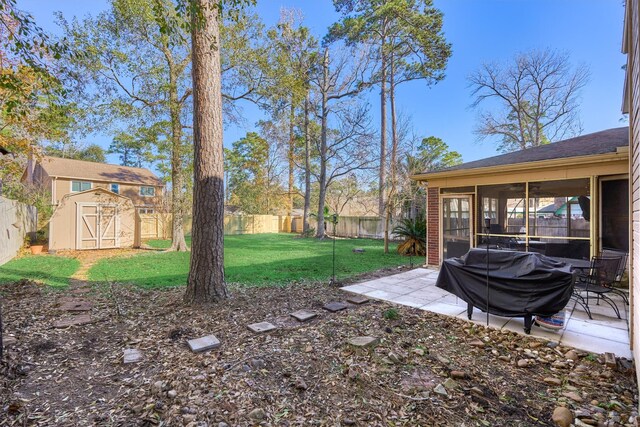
426,369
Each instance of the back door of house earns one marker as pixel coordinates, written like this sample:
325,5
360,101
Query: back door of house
97,226
456,225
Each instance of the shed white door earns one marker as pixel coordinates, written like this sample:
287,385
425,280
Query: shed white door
97,226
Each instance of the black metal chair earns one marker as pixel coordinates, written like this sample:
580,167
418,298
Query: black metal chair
623,256
597,281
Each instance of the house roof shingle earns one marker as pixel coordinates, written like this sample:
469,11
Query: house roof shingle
92,171
603,142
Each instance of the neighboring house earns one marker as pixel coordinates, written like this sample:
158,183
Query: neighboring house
95,203
631,105
588,175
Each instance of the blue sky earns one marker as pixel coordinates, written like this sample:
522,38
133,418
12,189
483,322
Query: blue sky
479,31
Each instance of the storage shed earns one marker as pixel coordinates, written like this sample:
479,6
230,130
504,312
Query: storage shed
93,219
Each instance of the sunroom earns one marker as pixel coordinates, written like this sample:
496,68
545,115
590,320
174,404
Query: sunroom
568,199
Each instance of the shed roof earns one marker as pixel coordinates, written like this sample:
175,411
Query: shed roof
603,142
93,171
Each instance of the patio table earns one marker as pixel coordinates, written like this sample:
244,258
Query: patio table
576,264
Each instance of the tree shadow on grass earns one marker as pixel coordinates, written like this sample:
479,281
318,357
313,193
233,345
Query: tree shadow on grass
9,275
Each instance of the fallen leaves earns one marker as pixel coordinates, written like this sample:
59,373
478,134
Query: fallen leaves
424,369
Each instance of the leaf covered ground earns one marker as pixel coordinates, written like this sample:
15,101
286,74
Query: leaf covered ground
426,370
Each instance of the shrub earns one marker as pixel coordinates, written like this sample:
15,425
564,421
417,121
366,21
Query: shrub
414,233
391,314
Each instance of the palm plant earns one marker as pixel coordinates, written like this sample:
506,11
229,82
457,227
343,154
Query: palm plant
414,233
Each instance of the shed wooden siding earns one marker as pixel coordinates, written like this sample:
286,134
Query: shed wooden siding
632,30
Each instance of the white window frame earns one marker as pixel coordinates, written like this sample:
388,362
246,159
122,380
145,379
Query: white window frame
81,182
111,187
148,195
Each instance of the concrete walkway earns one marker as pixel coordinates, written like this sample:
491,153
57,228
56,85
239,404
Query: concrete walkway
417,288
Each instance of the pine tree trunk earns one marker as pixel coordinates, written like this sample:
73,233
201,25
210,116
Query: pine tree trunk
290,155
206,274
394,156
178,242
382,177
307,168
383,139
322,184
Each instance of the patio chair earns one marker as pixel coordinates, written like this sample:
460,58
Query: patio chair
624,256
501,242
597,281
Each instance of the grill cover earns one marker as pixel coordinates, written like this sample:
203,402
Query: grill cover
520,283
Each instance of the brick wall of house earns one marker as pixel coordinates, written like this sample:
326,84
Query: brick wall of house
433,226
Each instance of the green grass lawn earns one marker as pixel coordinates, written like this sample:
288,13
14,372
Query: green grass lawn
164,244
254,260
49,269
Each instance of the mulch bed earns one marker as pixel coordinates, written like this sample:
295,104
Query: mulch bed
426,369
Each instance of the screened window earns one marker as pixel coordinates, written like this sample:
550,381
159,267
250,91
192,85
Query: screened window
147,191
554,220
80,186
115,188
504,205
559,209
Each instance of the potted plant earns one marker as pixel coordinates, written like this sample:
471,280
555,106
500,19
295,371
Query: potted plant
38,244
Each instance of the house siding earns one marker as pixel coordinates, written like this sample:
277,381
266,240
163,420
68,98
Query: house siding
63,187
633,96
433,226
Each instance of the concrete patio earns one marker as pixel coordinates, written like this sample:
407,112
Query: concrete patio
417,288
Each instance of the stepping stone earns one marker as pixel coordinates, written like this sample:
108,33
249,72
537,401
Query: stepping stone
335,306
357,299
132,355
76,305
303,315
80,291
201,344
261,327
81,319
357,250
610,360
365,341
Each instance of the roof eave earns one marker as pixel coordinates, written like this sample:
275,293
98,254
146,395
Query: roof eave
540,164
157,183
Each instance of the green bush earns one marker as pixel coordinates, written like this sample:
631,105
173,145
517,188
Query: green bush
414,233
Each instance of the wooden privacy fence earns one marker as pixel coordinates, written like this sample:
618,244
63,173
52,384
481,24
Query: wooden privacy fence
154,226
16,221
256,224
552,227
371,227
158,225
